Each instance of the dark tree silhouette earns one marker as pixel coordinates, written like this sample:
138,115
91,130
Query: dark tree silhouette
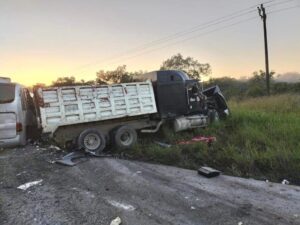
64,81
189,65
119,75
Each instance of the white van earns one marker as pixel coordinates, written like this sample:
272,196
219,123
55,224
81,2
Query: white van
17,114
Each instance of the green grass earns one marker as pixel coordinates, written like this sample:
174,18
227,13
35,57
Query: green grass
260,139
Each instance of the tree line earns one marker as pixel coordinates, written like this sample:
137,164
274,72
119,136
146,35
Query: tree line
189,65
255,86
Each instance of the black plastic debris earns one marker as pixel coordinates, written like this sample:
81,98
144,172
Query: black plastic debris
208,172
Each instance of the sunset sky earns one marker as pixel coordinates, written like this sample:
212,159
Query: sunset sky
41,40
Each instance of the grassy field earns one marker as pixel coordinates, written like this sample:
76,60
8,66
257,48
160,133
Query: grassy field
261,139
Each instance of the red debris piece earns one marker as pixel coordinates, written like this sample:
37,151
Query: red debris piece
207,140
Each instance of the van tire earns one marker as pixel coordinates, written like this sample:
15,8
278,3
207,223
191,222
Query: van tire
124,137
91,140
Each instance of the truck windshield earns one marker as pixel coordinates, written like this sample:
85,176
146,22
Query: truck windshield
7,93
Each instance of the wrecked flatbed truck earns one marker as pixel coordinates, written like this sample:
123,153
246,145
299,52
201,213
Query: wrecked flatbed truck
94,116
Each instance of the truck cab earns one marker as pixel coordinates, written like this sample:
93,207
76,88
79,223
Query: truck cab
182,101
178,95
16,113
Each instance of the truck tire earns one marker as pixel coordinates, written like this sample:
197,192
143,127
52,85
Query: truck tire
91,140
124,137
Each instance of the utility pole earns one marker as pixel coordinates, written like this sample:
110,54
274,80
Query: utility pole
263,15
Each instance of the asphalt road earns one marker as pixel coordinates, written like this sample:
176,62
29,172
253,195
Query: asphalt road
100,189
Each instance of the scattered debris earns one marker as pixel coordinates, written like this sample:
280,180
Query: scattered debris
29,184
208,172
21,173
67,160
208,140
285,182
97,155
116,221
89,194
51,161
35,143
121,205
165,145
55,147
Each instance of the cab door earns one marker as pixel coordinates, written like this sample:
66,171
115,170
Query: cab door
194,98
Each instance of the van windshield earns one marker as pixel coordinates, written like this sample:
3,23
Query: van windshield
7,93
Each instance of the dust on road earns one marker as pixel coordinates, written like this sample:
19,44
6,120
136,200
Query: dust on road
100,189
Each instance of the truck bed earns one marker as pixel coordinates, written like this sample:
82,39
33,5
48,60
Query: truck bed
60,106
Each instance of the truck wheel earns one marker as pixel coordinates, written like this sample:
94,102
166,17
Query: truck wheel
91,140
124,137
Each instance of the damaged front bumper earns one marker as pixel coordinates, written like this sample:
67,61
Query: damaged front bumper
216,101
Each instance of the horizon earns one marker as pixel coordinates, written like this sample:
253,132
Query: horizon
42,41
289,77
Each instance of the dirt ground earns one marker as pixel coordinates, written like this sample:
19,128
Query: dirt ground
99,189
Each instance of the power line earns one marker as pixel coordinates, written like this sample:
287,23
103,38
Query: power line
171,37
190,38
280,3
217,21
196,36
284,9
199,28
177,35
